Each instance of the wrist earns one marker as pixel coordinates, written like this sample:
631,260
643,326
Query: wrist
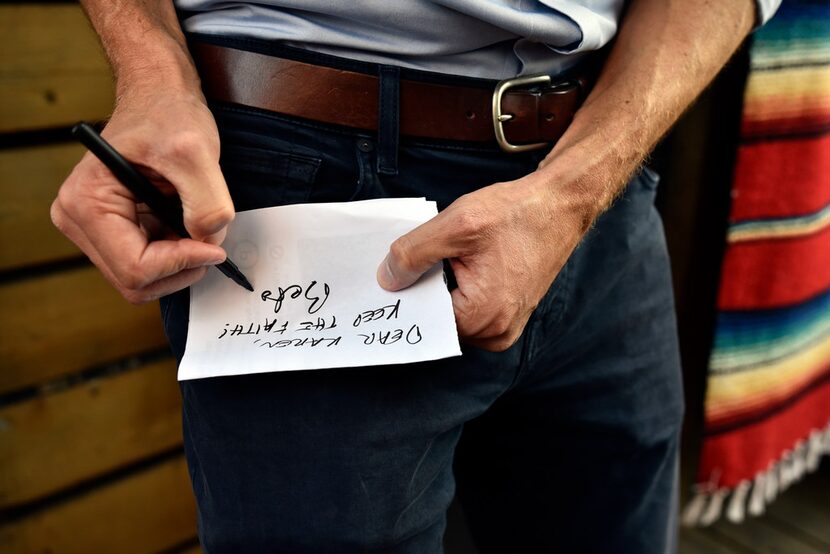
580,184
144,44
594,160
165,67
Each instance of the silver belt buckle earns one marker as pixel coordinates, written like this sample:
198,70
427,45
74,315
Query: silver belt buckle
499,118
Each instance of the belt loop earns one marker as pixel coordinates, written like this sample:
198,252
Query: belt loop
388,119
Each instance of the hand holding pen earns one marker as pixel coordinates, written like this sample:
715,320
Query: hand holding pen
100,214
169,212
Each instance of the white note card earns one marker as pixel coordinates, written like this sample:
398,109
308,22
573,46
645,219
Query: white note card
316,301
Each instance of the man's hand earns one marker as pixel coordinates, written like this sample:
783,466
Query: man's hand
174,139
162,125
505,243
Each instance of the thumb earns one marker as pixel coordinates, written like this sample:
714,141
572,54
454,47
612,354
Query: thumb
411,255
206,203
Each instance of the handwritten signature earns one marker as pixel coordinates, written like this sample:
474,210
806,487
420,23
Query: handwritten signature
295,291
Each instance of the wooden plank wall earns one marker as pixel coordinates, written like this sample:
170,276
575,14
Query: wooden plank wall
90,432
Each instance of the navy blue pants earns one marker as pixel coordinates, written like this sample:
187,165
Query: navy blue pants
567,442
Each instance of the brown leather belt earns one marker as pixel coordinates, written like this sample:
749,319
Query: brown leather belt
532,117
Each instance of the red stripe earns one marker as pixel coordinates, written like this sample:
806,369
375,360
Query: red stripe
775,272
782,179
741,454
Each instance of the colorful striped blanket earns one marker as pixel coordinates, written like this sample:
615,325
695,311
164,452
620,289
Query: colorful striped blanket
767,412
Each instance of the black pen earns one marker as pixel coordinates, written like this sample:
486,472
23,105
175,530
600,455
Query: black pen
170,213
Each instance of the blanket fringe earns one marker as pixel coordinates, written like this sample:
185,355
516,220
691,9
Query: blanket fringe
752,496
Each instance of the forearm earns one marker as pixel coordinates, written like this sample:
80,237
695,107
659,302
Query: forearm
144,43
666,53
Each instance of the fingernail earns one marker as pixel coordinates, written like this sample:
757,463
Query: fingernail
385,277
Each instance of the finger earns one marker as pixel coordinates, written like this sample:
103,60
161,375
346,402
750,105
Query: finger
485,331
476,315
469,320
133,261
163,258
493,344
477,323
414,253
480,324
68,227
153,291
169,285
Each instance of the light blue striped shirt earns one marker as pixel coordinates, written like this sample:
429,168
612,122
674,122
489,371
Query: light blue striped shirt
493,39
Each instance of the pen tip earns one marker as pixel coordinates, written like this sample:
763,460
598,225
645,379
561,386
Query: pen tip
247,285
232,272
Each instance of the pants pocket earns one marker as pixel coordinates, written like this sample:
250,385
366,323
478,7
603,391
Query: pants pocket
258,177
